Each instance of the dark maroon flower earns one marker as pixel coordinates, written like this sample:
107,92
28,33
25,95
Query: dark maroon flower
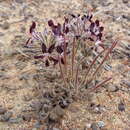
51,48
33,26
97,22
47,54
59,30
59,49
101,29
50,23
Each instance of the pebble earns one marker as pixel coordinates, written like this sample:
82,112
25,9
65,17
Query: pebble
2,110
27,98
94,126
24,77
4,16
55,129
15,120
101,124
37,124
27,117
106,2
126,17
126,83
56,114
10,106
125,1
1,34
112,88
6,116
5,25
37,106
19,1
121,107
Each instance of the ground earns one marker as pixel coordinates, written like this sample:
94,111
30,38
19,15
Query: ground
17,70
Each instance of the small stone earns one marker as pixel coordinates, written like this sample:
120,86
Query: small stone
15,120
27,98
23,29
88,126
106,2
125,1
19,1
55,129
94,126
10,106
56,114
24,77
126,17
37,124
6,116
37,106
27,117
128,116
5,25
121,107
1,34
4,15
2,110
101,124
126,83
112,88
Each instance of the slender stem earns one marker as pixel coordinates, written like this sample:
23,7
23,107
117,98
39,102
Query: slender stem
100,84
65,60
73,54
62,74
91,65
105,58
76,76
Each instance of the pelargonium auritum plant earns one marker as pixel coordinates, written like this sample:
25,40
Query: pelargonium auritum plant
78,40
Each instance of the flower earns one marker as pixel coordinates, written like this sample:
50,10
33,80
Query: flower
47,57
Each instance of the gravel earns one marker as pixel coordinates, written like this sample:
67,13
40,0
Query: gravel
2,110
6,116
5,25
94,126
121,106
112,88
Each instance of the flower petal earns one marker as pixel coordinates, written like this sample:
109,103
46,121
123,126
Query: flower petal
51,48
50,23
62,61
39,57
59,49
33,26
54,60
44,48
97,22
101,29
47,63
27,42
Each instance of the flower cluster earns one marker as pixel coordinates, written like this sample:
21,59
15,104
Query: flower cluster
74,27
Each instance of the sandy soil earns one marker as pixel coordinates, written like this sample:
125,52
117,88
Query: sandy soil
17,70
